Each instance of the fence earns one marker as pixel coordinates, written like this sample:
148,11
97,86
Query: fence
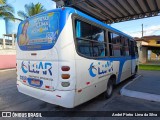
7,51
8,41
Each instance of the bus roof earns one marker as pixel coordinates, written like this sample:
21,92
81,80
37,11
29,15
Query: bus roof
68,10
101,23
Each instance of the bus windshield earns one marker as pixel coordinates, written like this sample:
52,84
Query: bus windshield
39,32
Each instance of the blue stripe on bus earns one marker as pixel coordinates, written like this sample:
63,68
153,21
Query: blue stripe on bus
121,61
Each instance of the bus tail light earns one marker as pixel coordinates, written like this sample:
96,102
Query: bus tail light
65,68
65,76
65,84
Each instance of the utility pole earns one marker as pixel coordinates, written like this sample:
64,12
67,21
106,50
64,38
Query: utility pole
142,30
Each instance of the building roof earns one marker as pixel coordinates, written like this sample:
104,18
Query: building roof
155,37
146,38
111,11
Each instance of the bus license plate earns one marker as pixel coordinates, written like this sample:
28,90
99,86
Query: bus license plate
35,82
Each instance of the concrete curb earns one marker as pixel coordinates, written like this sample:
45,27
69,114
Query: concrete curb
5,70
141,95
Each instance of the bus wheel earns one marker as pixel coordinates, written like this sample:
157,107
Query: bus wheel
109,90
136,70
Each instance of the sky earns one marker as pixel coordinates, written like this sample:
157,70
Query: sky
19,5
151,26
134,28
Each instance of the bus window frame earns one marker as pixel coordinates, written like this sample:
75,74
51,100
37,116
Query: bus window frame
111,31
80,18
106,39
129,42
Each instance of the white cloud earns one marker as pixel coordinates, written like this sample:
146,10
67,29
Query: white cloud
147,31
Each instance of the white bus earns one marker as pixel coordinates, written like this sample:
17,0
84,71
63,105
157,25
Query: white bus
65,57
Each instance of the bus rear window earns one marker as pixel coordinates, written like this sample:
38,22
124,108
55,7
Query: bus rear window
39,32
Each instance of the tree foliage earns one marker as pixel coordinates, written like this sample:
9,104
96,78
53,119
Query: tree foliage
2,1
30,10
6,10
156,51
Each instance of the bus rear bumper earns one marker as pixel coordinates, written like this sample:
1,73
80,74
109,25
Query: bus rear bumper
61,98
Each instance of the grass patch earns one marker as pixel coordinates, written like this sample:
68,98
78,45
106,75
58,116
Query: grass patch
149,67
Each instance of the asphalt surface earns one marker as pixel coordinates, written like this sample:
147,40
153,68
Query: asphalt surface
151,80
12,100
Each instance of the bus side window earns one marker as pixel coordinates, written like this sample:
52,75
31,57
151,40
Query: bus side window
90,39
83,46
132,48
136,48
78,29
110,43
124,46
127,47
98,45
116,45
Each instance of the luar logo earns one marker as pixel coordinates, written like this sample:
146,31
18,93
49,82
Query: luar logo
24,67
92,70
45,67
100,69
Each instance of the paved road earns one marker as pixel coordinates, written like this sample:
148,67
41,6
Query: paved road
12,100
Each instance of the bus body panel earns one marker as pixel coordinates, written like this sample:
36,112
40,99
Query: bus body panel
43,66
90,92
126,71
134,64
39,74
62,98
92,77
88,76
66,49
58,57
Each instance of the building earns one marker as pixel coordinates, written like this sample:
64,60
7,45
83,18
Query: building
145,47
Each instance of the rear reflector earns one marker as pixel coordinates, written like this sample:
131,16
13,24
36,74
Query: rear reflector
63,8
16,67
24,81
80,90
47,86
33,53
65,76
58,96
87,83
65,68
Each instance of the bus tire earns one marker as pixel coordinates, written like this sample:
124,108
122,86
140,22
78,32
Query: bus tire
135,72
109,90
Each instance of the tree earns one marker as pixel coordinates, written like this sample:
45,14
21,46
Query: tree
157,52
6,10
2,2
30,10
